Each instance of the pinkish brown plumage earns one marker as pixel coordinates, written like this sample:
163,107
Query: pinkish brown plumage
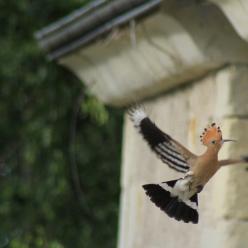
179,198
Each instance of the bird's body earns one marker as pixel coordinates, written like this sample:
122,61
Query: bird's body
205,166
178,198
203,169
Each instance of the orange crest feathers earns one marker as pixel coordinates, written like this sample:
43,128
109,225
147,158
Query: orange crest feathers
211,133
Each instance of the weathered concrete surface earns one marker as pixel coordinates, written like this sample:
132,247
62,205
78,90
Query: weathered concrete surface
183,113
163,51
234,183
232,100
120,71
237,13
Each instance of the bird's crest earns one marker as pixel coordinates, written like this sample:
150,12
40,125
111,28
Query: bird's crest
210,133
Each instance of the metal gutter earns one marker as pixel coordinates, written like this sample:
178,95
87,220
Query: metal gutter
82,27
69,19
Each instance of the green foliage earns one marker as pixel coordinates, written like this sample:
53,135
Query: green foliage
95,110
59,147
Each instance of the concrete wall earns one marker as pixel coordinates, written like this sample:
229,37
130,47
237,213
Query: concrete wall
167,49
162,54
184,112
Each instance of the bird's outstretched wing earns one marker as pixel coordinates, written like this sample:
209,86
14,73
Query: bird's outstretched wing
171,152
225,162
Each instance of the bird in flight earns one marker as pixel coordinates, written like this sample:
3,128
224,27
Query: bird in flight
179,198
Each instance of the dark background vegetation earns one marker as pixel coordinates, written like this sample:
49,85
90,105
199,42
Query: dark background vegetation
59,147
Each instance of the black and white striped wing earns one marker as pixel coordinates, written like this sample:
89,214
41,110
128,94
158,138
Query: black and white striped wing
168,150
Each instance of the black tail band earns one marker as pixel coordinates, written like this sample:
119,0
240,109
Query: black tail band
172,206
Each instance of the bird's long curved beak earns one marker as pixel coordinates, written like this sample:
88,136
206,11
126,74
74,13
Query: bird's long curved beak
228,140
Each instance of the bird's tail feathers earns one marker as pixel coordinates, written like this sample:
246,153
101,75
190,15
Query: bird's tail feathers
163,196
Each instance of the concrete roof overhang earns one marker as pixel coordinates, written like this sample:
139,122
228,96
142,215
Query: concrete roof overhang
128,50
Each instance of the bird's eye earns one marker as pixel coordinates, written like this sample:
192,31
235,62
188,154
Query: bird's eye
213,142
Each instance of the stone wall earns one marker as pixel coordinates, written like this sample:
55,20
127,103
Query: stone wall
221,96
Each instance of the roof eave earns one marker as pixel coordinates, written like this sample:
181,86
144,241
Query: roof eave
90,23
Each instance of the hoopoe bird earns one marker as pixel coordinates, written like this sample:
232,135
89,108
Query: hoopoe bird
179,198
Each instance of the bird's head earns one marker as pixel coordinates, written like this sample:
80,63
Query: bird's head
212,137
